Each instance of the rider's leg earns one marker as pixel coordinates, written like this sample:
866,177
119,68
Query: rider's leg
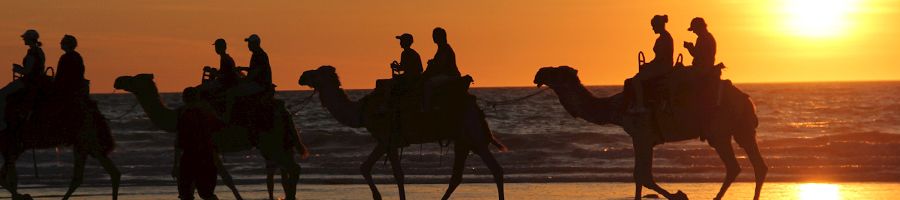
638,86
9,89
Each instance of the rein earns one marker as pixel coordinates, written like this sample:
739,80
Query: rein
299,107
129,111
494,104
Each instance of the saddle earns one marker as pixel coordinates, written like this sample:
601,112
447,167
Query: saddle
682,101
405,122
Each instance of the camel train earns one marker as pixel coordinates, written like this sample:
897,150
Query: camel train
396,119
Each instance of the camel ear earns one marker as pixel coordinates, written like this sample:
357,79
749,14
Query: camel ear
328,68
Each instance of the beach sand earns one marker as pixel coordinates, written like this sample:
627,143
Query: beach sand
515,191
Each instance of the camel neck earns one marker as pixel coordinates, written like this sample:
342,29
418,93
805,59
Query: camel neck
344,110
161,116
581,103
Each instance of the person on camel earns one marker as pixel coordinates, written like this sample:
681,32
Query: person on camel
708,75
660,65
31,70
410,65
69,82
405,73
249,103
227,76
441,69
195,150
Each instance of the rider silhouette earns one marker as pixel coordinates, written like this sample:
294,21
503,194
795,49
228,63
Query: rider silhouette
410,62
69,79
704,53
660,65
32,69
227,74
441,69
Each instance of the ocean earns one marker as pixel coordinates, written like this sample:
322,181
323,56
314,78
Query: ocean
808,132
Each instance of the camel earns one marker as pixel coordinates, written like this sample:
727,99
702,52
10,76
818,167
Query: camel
735,118
46,128
464,124
275,145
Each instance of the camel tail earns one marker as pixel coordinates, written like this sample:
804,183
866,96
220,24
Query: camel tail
494,140
304,152
500,146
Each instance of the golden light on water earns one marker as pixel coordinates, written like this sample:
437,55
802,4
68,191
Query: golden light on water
818,191
819,18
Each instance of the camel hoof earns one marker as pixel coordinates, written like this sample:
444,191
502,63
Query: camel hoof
679,196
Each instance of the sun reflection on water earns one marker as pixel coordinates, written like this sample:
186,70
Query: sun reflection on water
818,191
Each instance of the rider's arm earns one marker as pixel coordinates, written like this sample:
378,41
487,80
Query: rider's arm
28,64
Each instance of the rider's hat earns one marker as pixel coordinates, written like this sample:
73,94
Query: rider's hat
697,23
252,38
405,36
30,34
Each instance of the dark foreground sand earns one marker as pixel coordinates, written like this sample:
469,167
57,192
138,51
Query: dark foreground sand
514,191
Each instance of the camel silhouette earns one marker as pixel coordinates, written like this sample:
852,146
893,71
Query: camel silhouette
275,145
463,124
736,119
49,126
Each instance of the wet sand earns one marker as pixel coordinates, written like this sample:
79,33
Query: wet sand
516,191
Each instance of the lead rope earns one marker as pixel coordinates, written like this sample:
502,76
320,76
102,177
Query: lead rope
494,104
299,107
129,111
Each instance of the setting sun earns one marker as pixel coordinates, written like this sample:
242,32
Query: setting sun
818,191
819,18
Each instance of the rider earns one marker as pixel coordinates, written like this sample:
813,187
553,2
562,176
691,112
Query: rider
410,62
227,75
407,72
31,69
442,68
660,65
260,71
704,53
69,80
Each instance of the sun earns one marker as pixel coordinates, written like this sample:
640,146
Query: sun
818,191
819,18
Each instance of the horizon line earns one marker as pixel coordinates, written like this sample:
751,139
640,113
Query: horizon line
599,85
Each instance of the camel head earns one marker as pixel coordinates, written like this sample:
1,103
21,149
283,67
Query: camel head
556,76
137,83
324,76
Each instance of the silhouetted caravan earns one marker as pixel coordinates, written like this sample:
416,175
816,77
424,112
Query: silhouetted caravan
45,113
457,119
275,140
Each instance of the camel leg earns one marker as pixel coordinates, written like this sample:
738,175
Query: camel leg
459,162
643,170
10,177
748,143
226,177
77,175
113,171
290,169
732,168
270,178
366,169
394,157
494,166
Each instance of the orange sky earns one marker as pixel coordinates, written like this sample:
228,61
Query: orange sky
501,43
